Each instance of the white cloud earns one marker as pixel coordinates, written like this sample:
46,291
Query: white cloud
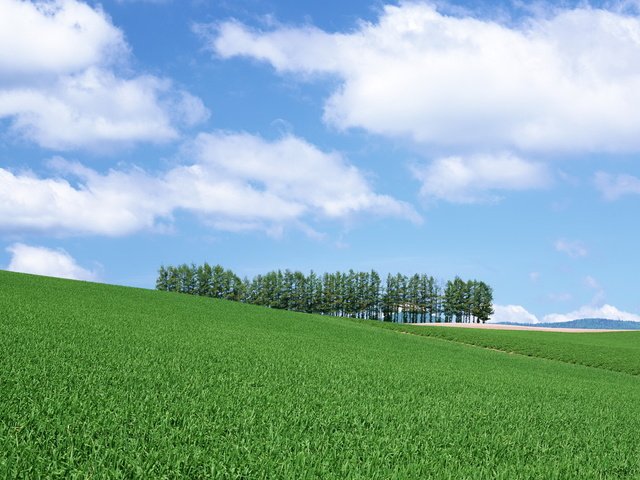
113,204
569,82
63,93
613,187
95,109
474,179
237,181
574,249
605,311
55,37
518,314
45,261
599,293
294,171
534,276
512,314
187,109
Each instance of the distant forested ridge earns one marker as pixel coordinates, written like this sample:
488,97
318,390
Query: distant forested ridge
417,298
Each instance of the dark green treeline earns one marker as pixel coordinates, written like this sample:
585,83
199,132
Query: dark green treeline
401,298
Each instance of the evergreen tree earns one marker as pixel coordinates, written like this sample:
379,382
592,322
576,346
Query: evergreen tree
162,282
401,297
217,282
299,299
246,290
203,275
173,280
327,294
272,283
374,296
187,279
339,294
413,298
449,302
313,293
419,298
483,302
388,299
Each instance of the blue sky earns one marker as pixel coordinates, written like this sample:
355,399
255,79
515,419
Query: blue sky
492,141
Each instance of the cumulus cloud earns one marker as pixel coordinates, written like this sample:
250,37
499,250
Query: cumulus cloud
45,261
613,187
605,311
236,180
55,37
566,82
296,172
518,314
574,249
475,178
114,204
63,93
96,108
512,314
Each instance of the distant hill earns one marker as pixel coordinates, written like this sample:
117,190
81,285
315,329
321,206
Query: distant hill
595,323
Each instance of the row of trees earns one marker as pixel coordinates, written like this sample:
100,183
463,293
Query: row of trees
401,298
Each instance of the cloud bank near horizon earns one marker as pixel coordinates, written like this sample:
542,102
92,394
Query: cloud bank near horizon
46,261
518,314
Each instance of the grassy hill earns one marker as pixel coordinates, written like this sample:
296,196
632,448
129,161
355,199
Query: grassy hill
616,351
110,382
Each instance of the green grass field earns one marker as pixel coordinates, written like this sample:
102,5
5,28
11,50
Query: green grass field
101,381
616,351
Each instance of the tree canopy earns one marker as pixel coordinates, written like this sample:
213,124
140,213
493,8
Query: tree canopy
418,298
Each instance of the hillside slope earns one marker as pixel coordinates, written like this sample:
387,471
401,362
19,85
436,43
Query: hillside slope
615,351
106,381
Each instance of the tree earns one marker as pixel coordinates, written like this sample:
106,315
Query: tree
162,282
339,294
432,300
203,275
374,291
413,303
483,302
326,302
217,282
299,300
271,290
418,298
173,280
454,303
187,279
402,299
388,299
313,293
